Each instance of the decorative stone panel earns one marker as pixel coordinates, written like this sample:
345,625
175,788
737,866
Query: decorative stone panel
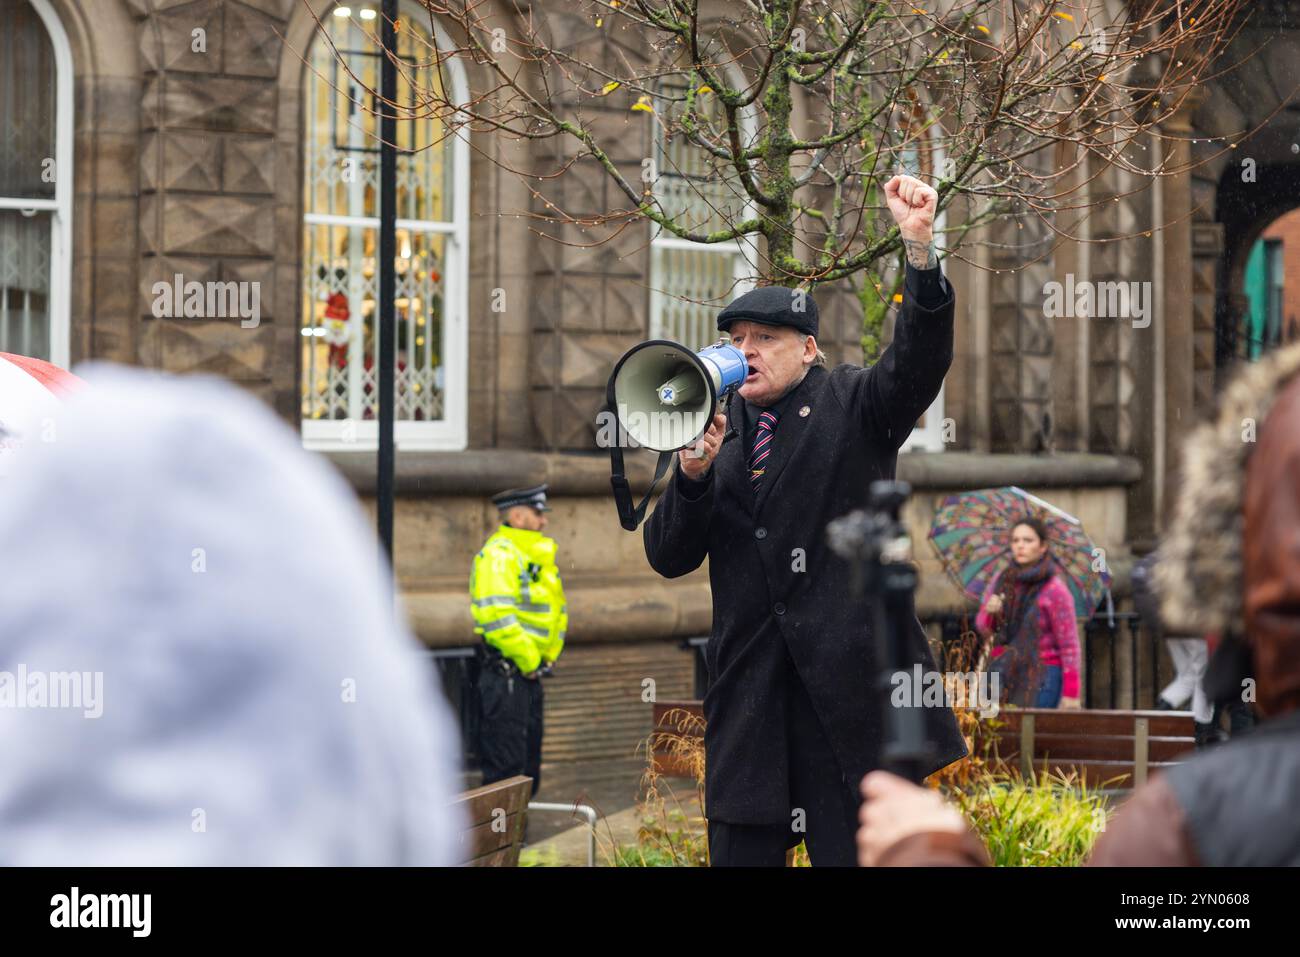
208,170
591,296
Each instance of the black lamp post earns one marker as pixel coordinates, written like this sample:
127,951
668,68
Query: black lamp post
386,325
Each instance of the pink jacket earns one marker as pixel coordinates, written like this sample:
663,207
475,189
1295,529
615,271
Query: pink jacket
1058,642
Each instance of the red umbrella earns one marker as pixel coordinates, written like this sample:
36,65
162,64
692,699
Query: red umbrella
31,391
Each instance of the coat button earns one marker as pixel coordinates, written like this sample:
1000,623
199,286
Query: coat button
779,608
760,533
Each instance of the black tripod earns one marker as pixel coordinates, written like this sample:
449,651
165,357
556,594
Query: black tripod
875,541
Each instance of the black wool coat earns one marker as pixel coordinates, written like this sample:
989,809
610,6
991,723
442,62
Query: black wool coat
771,608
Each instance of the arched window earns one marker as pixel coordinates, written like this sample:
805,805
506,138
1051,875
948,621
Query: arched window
691,282
35,181
340,275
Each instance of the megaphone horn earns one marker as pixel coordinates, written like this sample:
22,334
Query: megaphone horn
664,396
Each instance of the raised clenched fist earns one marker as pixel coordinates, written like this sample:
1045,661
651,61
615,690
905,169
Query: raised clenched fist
913,206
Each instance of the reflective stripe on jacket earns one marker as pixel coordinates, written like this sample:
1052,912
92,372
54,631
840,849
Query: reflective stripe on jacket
517,599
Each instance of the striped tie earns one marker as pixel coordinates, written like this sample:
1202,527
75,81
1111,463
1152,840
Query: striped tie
762,447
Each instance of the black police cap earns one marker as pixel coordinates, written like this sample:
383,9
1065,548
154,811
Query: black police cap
535,497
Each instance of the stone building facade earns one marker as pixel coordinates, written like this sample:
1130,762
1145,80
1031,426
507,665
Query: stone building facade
204,139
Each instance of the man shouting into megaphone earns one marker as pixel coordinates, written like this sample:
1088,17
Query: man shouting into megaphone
793,710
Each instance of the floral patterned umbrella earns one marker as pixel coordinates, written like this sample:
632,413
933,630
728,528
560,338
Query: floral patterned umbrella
972,534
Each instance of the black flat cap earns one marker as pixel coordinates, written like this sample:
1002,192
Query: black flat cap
774,306
535,496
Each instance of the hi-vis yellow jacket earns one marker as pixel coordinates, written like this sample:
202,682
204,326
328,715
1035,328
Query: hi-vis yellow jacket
517,599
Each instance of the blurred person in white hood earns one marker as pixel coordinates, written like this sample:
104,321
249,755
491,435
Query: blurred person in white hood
200,658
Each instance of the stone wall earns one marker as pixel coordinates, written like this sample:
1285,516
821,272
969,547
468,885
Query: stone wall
444,516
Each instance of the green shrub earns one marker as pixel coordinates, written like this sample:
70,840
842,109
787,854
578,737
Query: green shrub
1049,822
539,857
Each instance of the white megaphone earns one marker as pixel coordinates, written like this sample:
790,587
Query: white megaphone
663,397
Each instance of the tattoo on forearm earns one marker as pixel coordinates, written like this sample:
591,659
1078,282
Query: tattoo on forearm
920,255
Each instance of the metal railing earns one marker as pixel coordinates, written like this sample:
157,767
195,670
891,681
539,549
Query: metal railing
1119,646
457,673
1121,639
586,810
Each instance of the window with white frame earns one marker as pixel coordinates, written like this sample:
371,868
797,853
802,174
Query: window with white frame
690,282
35,181
340,274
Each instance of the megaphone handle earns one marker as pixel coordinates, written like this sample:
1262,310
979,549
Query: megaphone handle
724,404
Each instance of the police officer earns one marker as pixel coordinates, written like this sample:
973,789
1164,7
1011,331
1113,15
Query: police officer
518,605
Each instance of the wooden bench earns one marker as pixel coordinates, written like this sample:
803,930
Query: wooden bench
495,815
1117,750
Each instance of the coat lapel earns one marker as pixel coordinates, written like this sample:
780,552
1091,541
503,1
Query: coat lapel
732,468
791,431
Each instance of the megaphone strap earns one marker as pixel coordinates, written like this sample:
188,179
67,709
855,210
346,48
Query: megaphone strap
628,516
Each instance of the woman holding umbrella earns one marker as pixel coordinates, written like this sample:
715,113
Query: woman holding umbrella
1035,573
1028,610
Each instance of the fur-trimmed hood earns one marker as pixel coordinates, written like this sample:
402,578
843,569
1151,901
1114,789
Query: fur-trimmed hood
1238,520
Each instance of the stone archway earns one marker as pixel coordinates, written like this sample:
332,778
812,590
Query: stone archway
1246,209
1246,133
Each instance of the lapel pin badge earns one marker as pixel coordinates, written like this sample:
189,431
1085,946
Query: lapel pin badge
803,413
